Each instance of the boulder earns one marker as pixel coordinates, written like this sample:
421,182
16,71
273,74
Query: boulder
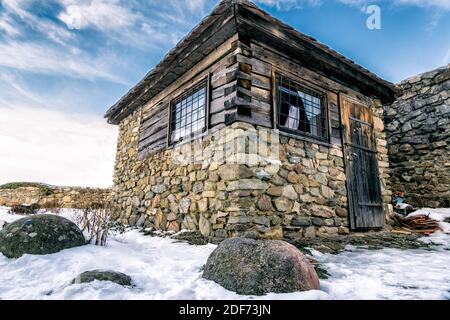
40,235
100,275
255,267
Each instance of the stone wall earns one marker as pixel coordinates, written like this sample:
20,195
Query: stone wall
418,127
54,197
286,187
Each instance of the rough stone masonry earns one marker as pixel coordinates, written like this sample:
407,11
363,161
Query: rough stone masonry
301,193
418,128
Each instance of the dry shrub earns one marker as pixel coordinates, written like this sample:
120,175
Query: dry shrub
95,220
24,209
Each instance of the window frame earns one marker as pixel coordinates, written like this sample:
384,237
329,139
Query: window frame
309,90
204,83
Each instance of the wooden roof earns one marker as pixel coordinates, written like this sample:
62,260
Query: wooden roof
244,17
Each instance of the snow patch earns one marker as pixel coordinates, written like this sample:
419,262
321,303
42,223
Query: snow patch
162,268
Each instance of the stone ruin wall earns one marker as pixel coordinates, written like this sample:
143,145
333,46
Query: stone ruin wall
302,195
418,128
55,197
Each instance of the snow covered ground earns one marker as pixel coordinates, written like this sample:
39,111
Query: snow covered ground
164,269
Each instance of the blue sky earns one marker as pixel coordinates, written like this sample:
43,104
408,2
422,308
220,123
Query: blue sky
65,62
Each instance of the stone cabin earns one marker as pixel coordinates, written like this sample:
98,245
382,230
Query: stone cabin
251,128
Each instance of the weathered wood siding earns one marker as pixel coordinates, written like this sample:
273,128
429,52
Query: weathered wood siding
242,87
218,68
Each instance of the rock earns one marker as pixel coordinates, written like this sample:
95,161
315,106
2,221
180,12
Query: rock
189,223
202,205
262,220
321,211
327,232
327,192
275,233
141,221
248,184
171,217
136,201
39,235
310,232
173,226
99,275
301,221
198,187
252,267
239,220
159,189
133,220
294,159
289,192
275,191
204,226
265,203
184,206
283,204
149,195
306,198
263,175
230,172
293,177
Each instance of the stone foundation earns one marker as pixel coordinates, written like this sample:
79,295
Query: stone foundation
265,185
418,127
55,197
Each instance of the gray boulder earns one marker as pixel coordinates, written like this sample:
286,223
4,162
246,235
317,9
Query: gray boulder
39,235
252,267
100,275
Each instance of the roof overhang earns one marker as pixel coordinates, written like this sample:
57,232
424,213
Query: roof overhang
246,19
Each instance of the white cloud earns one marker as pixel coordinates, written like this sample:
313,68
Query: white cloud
7,25
101,14
52,147
46,59
134,21
442,4
19,8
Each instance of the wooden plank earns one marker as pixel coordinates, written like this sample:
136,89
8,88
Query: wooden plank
217,105
261,82
162,134
297,70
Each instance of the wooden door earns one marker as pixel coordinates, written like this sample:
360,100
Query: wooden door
363,179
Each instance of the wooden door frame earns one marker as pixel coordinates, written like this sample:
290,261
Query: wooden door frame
345,150
351,214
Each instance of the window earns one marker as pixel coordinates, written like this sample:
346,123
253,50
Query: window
188,114
301,110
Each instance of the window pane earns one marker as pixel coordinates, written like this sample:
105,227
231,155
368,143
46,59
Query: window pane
300,109
189,114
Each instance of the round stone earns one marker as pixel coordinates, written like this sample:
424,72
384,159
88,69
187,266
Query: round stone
39,235
252,267
99,275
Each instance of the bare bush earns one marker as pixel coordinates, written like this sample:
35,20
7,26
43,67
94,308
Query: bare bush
24,209
96,221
